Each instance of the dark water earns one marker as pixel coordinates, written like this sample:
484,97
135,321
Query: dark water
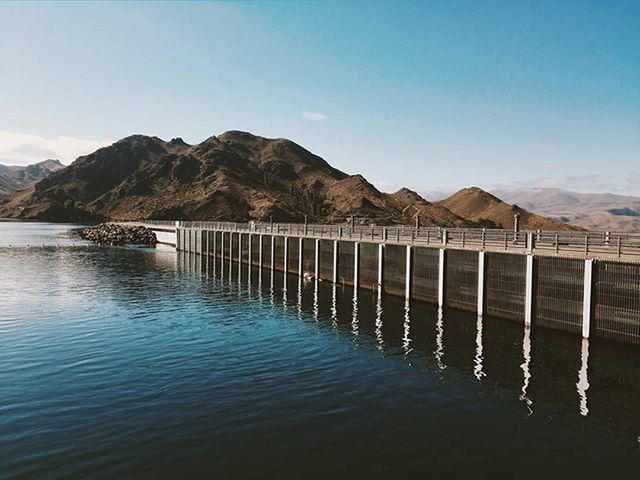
131,363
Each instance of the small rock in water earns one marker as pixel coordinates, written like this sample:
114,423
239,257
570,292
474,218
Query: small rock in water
112,234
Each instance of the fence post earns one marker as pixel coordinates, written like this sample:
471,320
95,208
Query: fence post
356,265
480,283
444,236
408,272
586,307
441,274
528,301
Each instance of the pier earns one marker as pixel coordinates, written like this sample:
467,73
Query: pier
586,283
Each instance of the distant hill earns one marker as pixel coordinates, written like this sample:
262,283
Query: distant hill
14,177
593,211
235,176
477,205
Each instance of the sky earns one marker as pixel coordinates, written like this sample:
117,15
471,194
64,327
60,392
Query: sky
433,95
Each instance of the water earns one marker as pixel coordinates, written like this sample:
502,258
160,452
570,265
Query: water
136,362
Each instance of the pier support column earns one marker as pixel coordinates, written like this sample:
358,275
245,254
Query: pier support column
316,260
356,265
586,307
480,284
286,255
260,253
230,252
335,261
249,251
273,252
300,252
380,267
441,274
240,249
408,272
222,246
528,299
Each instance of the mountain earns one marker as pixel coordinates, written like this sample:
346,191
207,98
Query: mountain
477,205
235,176
14,178
593,211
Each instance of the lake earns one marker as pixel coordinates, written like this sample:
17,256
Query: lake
139,362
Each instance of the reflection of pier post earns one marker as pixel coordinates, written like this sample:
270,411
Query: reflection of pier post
439,353
334,305
583,378
379,335
526,351
477,369
441,275
406,338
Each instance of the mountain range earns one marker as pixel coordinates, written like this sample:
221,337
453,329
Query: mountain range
592,211
238,176
14,177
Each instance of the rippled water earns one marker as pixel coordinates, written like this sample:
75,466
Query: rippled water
130,362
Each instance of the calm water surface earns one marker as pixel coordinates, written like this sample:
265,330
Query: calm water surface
131,363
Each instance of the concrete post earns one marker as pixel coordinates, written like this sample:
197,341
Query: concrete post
260,253
300,250
335,261
528,301
273,252
240,249
408,272
250,250
586,307
222,247
480,283
316,259
356,265
441,274
380,266
286,255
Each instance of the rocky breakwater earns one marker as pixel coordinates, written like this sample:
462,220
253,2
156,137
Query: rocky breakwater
112,234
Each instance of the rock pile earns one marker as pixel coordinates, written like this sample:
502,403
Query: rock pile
111,234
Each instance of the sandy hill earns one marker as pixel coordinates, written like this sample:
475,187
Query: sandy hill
477,205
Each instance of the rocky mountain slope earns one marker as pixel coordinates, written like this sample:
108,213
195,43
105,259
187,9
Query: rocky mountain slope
477,205
593,211
14,177
235,176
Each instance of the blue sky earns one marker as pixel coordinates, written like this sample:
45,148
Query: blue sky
434,95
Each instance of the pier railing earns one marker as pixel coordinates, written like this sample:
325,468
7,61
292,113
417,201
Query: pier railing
570,243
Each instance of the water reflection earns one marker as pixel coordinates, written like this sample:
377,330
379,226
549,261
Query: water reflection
526,350
477,369
583,380
488,349
439,352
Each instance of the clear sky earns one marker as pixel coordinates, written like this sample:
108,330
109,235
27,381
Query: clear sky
435,95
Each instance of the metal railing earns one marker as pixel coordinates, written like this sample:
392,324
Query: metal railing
570,243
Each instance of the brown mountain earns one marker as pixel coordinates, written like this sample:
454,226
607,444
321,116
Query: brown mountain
235,176
14,177
479,206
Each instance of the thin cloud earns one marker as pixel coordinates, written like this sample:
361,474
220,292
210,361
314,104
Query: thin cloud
25,148
316,116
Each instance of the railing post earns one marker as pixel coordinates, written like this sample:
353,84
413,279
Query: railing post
529,242
481,283
528,301
441,275
586,307
444,236
356,265
408,272
335,260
